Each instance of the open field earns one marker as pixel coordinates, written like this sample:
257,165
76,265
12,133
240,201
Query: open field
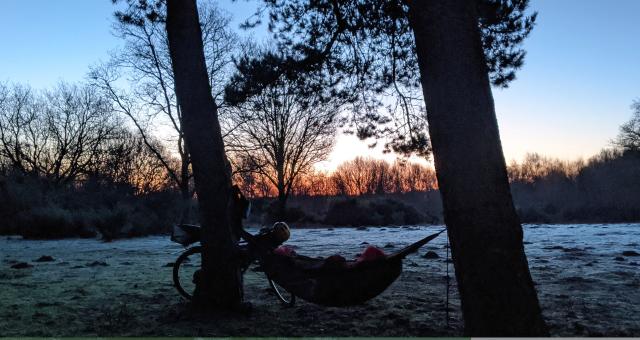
585,283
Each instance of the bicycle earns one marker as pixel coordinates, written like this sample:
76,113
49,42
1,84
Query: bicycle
188,262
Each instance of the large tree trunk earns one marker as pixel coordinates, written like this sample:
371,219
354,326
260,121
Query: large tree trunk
497,292
219,284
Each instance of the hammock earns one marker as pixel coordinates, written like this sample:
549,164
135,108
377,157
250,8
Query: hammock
334,281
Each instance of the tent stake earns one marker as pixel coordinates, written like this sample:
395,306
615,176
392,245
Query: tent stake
447,278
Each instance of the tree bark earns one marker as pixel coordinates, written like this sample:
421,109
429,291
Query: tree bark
281,214
185,190
496,289
219,284
281,209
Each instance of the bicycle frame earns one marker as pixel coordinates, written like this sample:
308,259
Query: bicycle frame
249,250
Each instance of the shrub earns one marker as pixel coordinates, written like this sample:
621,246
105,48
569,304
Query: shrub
397,213
51,222
110,223
270,213
347,212
354,212
37,208
532,215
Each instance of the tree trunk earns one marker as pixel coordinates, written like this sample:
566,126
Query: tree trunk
282,207
185,190
219,284
281,212
496,289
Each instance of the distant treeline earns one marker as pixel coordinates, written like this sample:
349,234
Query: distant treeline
70,166
605,188
360,176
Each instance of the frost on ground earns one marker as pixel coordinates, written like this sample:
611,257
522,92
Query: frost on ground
587,276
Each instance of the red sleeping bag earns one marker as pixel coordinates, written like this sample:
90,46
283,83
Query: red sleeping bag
370,254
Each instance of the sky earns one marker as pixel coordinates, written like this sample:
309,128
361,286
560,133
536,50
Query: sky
581,73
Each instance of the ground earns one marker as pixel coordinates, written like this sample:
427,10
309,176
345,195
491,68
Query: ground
124,288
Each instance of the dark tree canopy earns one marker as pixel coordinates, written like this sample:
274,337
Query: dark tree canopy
144,64
137,12
281,134
365,51
362,51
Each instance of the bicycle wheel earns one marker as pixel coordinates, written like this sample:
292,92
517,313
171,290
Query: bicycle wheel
184,270
285,297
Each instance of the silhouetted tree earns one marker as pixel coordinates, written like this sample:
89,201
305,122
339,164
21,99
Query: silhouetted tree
220,284
535,167
60,133
498,296
454,49
281,133
127,160
145,64
368,176
629,136
220,281
317,183
608,187
360,176
415,177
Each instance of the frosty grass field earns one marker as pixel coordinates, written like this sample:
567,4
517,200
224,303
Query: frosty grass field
587,277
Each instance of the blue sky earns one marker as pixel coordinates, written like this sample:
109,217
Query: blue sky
581,74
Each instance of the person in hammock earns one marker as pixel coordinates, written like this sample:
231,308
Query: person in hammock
333,281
